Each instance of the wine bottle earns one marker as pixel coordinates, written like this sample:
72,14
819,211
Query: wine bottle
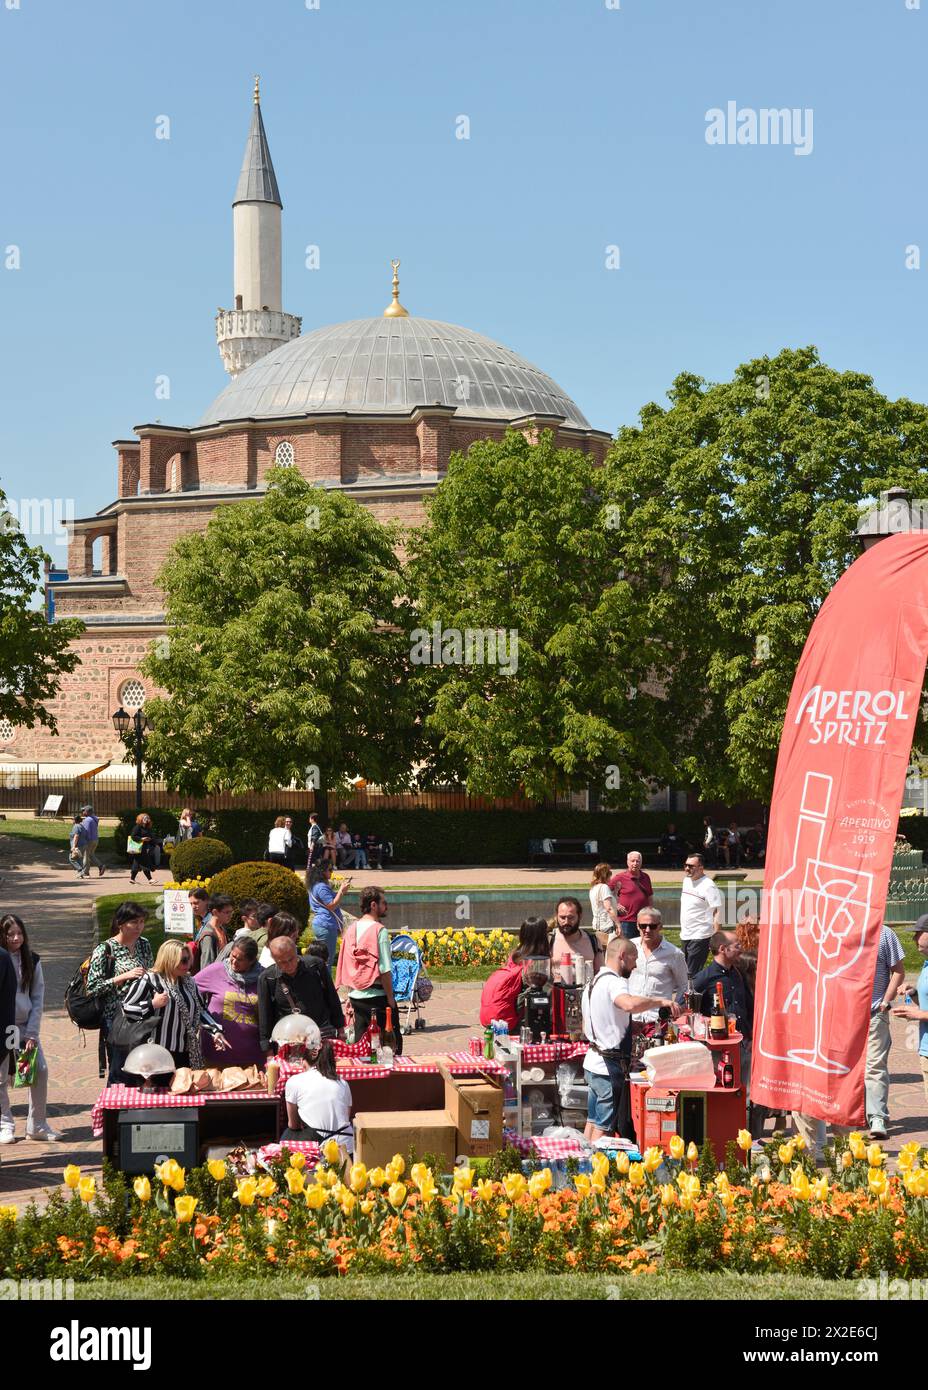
375,1039
728,1072
389,1038
718,1023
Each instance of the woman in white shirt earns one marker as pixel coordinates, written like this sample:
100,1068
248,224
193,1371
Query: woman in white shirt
279,842
606,920
318,1102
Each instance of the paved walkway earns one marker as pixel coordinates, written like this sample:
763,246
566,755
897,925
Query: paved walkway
38,883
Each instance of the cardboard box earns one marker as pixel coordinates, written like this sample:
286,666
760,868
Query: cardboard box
476,1105
379,1134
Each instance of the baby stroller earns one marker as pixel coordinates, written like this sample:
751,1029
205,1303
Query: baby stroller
411,985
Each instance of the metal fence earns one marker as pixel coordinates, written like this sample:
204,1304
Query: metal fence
29,791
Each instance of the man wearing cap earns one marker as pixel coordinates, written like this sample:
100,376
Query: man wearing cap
919,1015
888,979
92,830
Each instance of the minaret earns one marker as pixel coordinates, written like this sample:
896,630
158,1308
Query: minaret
257,324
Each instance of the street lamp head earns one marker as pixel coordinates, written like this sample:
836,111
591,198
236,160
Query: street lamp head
121,722
143,723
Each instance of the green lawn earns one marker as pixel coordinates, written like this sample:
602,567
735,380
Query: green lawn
522,1287
50,832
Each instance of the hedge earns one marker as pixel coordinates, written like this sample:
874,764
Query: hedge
203,857
467,837
270,883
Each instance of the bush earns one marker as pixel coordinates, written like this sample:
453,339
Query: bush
163,823
200,858
270,883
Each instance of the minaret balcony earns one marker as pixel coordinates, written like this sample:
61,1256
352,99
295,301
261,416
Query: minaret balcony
246,335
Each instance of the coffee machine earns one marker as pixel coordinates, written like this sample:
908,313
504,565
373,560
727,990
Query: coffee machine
537,1011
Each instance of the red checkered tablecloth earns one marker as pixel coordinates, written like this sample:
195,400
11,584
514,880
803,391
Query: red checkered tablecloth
535,1053
459,1064
558,1148
130,1098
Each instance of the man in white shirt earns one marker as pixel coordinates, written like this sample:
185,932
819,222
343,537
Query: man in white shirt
607,1007
660,968
700,913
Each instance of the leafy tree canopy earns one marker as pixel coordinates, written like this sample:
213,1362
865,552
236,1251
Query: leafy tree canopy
737,504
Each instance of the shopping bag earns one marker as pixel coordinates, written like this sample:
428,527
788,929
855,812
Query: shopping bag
26,1064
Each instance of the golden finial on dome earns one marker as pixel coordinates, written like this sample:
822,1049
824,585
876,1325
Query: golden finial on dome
257,92
394,309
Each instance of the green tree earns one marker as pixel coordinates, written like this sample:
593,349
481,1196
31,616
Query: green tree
517,541
34,654
737,503
285,655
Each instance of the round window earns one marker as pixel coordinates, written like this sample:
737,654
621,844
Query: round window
132,695
6,731
283,455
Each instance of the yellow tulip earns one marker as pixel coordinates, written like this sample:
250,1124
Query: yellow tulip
916,1182
653,1158
184,1208
87,1189
330,1177
72,1176
847,1159
246,1192
298,1160
785,1152
874,1155
877,1181
393,1174
537,1186
726,1198
330,1151
798,1143
167,1171
857,1146
597,1185
428,1190
142,1189
636,1175
399,1164
801,1186
358,1177
820,1189
582,1183
622,1162
462,1181
178,1180
912,1148
417,1172
686,1203
377,1177
745,1142
514,1185
295,1181
676,1146
668,1194
692,1153
486,1190
367,1206
396,1194
599,1163
905,1161
855,1137
217,1169
348,1201
267,1187
316,1197
721,1183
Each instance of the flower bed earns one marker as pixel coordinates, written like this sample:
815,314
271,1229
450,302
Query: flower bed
621,1217
464,947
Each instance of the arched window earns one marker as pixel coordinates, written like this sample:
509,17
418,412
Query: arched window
174,474
283,454
131,695
7,731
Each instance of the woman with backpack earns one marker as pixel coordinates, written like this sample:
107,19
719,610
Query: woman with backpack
167,993
30,997
114,965
324,904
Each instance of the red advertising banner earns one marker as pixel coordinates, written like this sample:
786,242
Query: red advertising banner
841,772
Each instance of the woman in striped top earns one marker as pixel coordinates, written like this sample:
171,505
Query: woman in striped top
115,965
167,990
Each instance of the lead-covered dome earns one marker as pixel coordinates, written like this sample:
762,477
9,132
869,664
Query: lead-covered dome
390,366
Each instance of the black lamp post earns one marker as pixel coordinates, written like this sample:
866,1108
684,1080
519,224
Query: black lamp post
139,722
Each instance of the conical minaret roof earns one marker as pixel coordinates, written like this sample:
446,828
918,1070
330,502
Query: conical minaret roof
257,183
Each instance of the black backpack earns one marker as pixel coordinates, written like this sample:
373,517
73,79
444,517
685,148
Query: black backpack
86,1010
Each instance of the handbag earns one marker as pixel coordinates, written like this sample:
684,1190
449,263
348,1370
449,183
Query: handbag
127,1032
26,1064
134,846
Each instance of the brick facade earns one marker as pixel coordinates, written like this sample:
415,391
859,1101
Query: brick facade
164,483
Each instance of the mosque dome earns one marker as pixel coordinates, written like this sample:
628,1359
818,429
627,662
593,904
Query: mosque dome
390,366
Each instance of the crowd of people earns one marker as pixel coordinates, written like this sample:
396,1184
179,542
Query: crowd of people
338,849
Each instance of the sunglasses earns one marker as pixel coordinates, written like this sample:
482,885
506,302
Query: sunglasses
649,926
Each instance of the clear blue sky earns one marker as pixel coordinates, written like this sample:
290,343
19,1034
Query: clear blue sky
587,129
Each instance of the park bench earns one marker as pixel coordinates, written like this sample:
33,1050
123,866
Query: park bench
562,848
